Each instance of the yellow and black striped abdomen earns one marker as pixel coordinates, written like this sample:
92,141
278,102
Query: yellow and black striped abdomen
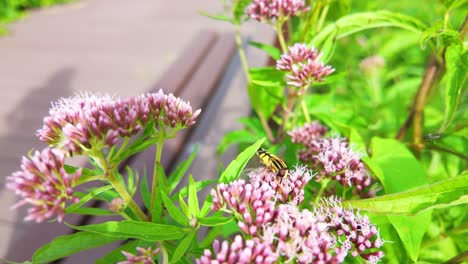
272,162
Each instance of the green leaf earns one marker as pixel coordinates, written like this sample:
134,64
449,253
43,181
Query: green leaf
402,171
239,9
198,186
72,208
193,197
266,89
184,207
234,170
455,79
356,22
183,246
233,137
214,221
174,212
179,172
67,245
206,208
270,50
442,194
216,17
145,191
116,255
134,229
92,211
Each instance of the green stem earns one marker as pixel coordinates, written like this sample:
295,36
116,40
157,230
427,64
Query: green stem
89,179
306,112
122,147
279,33
241,52
125,196
322,17
113,180
157,163
323,186
165,256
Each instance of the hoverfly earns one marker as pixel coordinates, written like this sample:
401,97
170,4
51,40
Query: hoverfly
273,163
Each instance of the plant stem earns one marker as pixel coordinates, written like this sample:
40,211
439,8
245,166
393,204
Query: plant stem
279,33
100,177
241,52
165,256
245,67
289,106
322,17
126,196
304,109
460,155
154,185
323,186
114,181
421,99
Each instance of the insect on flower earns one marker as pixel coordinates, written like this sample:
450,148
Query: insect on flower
273,163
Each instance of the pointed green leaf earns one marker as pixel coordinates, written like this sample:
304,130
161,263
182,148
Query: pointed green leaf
270,50
235,137
183,246
185,207
450,192
92,211
198,186
116,255
87,198
214,221
456,75
356,22
206,208
181,169
67,245
234,170
174,212
193,197
145,191
216,17
402,171
134,229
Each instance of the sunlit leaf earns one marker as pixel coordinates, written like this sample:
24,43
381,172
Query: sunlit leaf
134,229
234,169
67,245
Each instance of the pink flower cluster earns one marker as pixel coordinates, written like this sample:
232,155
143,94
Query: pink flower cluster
325,235
239,252
43,183
355,232
143,256
289,188
252,203
90,121
303,66
269,10
332,158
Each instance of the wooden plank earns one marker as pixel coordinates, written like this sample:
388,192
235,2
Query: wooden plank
198,90
30,236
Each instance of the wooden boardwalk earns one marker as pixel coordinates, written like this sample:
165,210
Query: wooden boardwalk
106,46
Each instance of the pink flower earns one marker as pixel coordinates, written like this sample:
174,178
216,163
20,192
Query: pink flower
44,184
143,256
252,204
240,251
303,66
117,205
269,10
289,188
354,232
332,158
87,121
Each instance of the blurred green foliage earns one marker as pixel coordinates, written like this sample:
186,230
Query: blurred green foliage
11,10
